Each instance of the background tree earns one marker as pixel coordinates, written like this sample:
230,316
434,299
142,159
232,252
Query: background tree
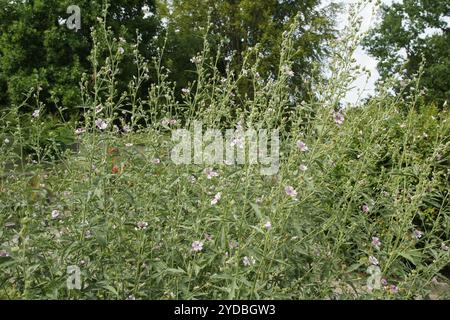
246,23
409,31
37,48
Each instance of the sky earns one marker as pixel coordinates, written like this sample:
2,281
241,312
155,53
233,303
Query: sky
363,86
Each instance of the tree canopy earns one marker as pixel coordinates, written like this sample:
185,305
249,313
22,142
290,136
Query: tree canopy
408,32
37,48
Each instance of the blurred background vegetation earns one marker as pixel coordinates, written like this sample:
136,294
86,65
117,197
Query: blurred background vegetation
38,50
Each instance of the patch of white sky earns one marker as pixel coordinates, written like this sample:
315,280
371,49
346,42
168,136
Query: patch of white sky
364,86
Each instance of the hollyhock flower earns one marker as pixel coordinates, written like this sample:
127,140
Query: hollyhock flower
197,246
210,173
373,260
376,242
141,225
80,131
55,214
302,146
268,225
393,289
248,261
290,191
36,113
101,124
417,234
216,198
365,208
338,118
4,254
303,168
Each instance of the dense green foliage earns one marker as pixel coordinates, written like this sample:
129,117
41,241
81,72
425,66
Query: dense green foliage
359,206
242,24
37,49
409,32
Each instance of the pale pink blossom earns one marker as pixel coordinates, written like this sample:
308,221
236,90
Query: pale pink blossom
373,260
197,246
302,146
290,191
216,199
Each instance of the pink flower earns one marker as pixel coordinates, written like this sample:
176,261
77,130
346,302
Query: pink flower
338,118
302,146
417,234
384,282
376,242
36,113
4,254
142,225
303,168
248,261
197,246
216,198
80,131
55,214
268,225
210,173
365,208
373,260
393,289
101,124
290,191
